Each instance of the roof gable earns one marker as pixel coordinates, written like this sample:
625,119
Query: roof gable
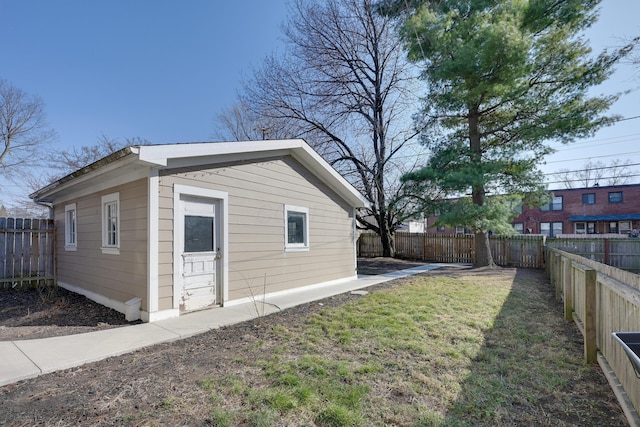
148,157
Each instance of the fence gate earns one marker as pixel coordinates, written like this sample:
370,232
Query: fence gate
26,251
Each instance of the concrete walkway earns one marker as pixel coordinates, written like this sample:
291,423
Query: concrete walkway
21,360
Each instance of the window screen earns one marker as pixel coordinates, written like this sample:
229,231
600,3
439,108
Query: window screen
198,233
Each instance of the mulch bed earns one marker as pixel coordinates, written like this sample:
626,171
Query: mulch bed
31,314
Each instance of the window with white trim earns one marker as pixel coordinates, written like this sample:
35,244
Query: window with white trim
70,228
518,227
296,228
111,223
624,227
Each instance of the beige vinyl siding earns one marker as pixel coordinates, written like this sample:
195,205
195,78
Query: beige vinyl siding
119,277
165,245
258,193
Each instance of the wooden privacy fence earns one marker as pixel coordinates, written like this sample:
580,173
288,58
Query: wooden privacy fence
26,251
516,251
621,252
601,300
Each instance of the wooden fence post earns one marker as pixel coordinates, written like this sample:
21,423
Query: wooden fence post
567,278
590,343
557,275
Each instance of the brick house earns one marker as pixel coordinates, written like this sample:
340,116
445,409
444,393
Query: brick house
592,210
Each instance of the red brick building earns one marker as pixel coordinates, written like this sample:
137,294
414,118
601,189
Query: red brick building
593,210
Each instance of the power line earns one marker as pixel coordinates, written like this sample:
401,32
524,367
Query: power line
582,147
628,118
595,168
594,157
592,179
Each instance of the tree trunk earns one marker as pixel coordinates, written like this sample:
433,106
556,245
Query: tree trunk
483,250
388,246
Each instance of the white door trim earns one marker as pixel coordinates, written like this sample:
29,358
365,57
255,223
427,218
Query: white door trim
223,198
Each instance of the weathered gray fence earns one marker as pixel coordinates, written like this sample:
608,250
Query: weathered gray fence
26,251
623,253
516,251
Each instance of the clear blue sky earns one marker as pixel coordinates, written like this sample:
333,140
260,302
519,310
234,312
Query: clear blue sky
161,70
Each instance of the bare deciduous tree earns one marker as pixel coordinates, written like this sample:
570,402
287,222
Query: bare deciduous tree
617,172
241,123
23,128
343,84
66,161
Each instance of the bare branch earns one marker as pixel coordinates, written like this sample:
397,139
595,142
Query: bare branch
23,128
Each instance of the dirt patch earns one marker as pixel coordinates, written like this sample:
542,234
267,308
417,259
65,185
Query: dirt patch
29,314
167,384
380,265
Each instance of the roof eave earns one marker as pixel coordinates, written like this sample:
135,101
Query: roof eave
160,155
44,194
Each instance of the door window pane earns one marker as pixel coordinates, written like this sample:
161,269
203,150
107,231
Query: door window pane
198,233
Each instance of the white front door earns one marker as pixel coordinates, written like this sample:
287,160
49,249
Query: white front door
200,253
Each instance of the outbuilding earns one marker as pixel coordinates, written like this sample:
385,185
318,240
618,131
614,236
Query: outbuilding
155,231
